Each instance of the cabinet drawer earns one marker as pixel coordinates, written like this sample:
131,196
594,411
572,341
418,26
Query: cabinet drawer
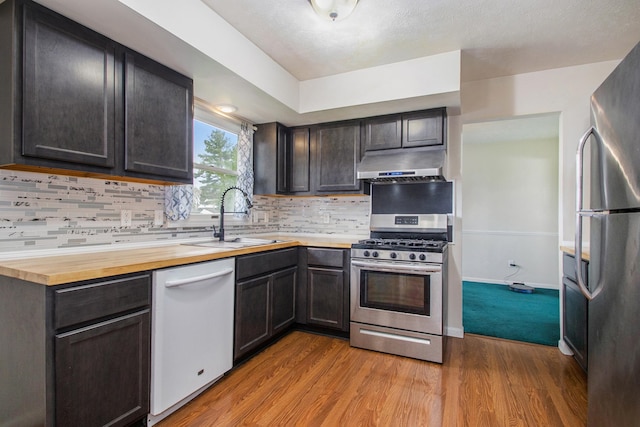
325,257
569,268
261,263
96,300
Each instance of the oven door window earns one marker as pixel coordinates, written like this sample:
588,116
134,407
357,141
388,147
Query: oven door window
405,293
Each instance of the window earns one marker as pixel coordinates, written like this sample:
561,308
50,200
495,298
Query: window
215,167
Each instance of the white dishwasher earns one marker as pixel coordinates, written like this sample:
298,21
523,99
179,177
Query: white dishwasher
191,333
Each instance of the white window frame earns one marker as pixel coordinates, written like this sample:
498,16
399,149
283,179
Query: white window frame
206,114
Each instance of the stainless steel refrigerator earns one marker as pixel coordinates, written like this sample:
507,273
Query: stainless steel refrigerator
614,269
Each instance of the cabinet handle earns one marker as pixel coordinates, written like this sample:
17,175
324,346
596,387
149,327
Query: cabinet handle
189,280
580,213
396,268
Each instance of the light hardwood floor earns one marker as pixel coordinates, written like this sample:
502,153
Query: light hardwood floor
312,380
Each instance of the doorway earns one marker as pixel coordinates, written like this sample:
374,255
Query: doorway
510,205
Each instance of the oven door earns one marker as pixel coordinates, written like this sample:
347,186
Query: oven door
400,295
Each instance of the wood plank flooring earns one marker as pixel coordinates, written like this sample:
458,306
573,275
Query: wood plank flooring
311,380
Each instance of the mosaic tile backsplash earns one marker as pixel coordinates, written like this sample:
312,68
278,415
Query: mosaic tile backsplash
40,211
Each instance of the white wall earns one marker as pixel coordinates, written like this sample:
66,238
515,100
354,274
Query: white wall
563,90
400,80
510,201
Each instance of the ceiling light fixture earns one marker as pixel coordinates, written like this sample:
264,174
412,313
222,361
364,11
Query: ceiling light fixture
334,10
227,108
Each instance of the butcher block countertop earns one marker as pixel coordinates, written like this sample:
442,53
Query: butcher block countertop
59,269
572,251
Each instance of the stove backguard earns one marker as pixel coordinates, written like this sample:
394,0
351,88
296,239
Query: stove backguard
412,210
412,198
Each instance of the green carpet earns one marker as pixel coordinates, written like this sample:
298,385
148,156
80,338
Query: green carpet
496,311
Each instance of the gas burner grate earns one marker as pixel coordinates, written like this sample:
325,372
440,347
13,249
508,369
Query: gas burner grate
407,244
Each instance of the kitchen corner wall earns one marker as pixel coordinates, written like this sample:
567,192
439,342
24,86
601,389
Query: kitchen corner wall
40,211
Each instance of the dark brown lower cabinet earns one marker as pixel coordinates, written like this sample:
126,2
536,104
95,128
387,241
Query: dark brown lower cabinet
79,354
327,288
102,372
283,299
325,292
252,314
265,298
575,331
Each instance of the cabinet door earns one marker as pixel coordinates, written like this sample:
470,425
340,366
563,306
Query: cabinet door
252,314
69,92
575,321
158,120
283,147
337,157
299,165
283,299
102,372
382,133
424,128
325,298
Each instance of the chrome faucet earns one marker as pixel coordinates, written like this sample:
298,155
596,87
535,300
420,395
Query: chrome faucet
220,233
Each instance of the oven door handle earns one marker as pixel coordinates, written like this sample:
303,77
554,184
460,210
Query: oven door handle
395,268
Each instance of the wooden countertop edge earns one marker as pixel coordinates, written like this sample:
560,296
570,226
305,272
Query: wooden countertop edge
572,251
60,269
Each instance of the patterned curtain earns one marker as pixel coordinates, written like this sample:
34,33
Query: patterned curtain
245,166
178,200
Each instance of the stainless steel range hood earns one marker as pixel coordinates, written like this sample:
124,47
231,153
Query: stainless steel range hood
406,164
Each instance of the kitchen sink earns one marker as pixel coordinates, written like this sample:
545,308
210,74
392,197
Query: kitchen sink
237,242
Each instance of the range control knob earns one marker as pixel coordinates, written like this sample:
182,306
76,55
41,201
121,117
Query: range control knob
393,255
366,253
375,254
412,256
423,257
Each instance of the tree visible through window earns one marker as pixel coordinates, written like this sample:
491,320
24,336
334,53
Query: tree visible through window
215,166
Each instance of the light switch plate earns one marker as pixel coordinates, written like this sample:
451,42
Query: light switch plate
125,218
158,218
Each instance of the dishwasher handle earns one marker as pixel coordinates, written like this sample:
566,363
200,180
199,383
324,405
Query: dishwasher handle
190,280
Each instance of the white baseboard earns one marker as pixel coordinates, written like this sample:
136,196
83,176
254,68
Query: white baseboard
564,348
454,332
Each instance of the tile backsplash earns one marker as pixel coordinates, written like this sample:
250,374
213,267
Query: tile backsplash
40,211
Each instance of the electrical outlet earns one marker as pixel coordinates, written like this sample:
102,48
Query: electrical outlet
326,218
125,218
158,218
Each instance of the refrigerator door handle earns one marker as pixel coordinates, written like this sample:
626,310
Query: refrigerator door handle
580,212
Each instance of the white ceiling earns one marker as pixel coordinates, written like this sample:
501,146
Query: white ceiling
497,38
494,38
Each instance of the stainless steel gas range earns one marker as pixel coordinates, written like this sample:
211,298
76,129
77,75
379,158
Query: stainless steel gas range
399,278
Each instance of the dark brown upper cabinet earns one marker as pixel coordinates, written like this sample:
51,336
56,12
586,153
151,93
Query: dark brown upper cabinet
69,92
424,128
299,172
337,156
415,129
383,132
289,150
158,120
270,153
74,102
